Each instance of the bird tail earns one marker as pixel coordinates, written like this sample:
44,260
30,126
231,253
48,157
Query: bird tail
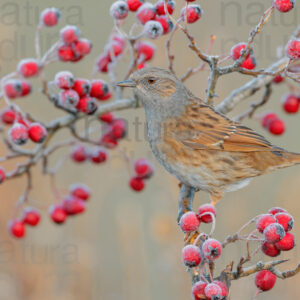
293,158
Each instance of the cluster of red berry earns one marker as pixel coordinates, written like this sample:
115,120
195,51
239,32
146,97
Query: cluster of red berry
143,170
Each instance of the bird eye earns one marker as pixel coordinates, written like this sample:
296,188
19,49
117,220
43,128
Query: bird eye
151,80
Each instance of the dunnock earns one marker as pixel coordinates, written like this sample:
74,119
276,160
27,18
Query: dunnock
204,149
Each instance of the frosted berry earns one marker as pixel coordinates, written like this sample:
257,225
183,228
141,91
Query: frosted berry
98,155
119,10
73,206
66,53
193,13
102,63
68,98
107,117
166,23
37,132
264,221
205,211
189,222
143,168
69,34
222,285
18,134
213,291
82,47
17,229
79,154
284,5
267,119
57,214
145,51
2,175
118,129
287,243
80,191
191,256
291,103
31,216
137,184
14,88
211,249
133,5
276,210
270,249
277,79
293,49
276,126
146,13
198,290
64,80
28,67
82,86
237,49
108,142
50,16
106,97
274,233
87,105
160,7
8,116
99,89
119,39
265,280
286,220
114,50
153,29
249,63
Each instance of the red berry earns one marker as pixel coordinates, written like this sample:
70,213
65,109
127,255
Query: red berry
114,50
237,49
277,79
108,142
82,47
14,88
31,216
146,12
118,129
213,291
287,243
73,206
2,175
284,5
153,29
276,126
99,89
264,221
69,34
119,39
37,132
189,222
68,99
191,256
249,63
79,154
276,210
82,86
267,118
133,5
274,233
143,168
107,117
106,97
265,280
198,290
145,51
18,134
103,62
286,220
137,184
64,80
293,49
87,105
50,16
8,116
28,67
193,14
205,213
57,214
141,66
291,103
166,23
119,10
98,155
270,249
80,191
66,53
212,249
17,229
223,287
160,7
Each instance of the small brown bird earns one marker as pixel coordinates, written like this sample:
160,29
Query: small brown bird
204,149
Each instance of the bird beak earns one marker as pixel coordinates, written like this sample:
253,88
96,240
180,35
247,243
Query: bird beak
127,83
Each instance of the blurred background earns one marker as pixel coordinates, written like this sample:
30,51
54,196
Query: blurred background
127,245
